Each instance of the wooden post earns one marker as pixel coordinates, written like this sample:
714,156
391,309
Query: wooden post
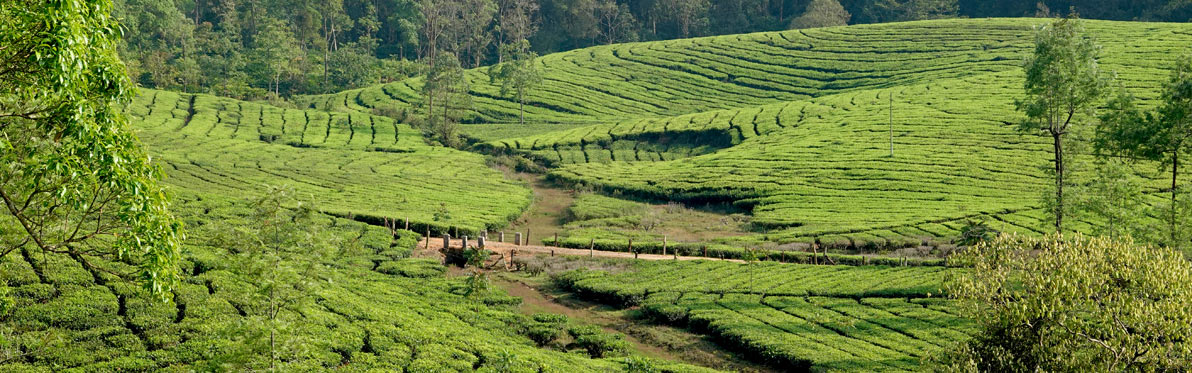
527,241
517,239
447,241
556,243
631,248
705,251
782,255
480,241
511,254
501,237
664,245
592,248
464,243
428,237
552,252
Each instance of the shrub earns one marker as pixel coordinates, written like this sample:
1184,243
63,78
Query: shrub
597,343
1073,303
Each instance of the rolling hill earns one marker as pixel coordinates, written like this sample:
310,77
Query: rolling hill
796,126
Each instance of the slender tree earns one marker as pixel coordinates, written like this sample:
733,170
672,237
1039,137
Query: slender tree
74,180
614,22
518,74
517,20
1063,86
1163,135
446,83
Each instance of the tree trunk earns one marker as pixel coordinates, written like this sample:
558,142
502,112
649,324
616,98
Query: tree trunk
521,105
1059,181
1175,167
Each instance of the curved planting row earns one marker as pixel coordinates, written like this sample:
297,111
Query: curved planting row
356,165
794,317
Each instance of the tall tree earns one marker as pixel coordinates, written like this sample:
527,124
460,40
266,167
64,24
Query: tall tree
276,52
75,180
822,13
474,30
1162,135
614,22
1063,86
446,83
280,255
909,10
517,20
688,16
518,74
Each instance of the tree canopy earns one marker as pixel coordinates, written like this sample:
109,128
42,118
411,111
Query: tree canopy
75,180
1074,303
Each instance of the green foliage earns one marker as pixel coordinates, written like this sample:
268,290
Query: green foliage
75,181
283,255
447,87
518,73
1073,303
975,232
598,343
1162,136
822,13
1063,88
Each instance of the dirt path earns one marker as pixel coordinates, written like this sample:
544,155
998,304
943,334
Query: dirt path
504,250
548,212
649,339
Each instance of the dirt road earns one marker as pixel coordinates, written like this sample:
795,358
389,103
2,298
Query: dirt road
504,250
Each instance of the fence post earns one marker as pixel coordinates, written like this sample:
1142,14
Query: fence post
592,248
480,241
556,243
705,251
464,243
446,240
517,239
663,244
631,248
527,241
501,237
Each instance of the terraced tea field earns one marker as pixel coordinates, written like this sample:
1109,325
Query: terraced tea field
796,126
353,164
694,75
795,317
369,309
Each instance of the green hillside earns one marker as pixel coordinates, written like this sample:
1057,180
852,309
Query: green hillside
668,78
796,317
795,126
353,164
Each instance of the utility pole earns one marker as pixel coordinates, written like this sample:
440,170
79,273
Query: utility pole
891,124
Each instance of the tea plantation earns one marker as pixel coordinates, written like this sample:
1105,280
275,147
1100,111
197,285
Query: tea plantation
353,164
796,317
369,309
796,126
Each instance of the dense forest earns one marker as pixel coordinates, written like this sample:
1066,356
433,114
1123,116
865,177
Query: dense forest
254,49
